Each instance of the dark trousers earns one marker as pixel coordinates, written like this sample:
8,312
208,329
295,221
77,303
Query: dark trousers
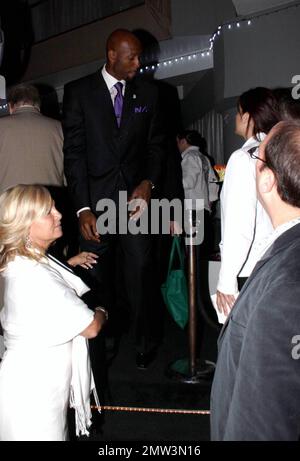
131,257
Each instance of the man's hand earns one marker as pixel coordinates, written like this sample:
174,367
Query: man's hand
87,225
225,302
139,199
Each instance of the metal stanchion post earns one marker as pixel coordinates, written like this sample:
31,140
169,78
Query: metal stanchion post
191,370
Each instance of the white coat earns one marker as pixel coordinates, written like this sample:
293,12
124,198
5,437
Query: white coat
42,315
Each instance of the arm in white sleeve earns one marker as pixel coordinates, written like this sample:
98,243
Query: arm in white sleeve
238,213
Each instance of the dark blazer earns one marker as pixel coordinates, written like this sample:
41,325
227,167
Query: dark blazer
256,388
101,158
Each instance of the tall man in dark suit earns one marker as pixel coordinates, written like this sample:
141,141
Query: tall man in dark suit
113,142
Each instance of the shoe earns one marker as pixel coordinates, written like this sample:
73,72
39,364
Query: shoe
143,359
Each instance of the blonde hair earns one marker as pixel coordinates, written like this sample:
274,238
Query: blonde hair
19,207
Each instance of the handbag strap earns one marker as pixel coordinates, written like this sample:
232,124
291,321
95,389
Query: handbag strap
175,247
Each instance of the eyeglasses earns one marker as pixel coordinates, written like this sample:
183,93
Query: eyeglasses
252,155
257,158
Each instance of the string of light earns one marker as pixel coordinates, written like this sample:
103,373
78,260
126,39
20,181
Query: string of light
188,57
248,21
228,26
232,25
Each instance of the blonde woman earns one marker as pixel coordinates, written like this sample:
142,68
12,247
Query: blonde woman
45,323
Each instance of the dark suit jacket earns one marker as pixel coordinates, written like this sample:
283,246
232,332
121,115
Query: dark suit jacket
100,158
256,388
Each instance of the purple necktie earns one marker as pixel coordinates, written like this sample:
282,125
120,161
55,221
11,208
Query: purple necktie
118,102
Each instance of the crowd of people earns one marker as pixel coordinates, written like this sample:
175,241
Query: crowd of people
113,140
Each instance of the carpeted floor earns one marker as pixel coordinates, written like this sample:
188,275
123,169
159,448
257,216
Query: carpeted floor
151,388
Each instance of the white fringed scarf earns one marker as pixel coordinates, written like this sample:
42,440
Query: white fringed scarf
82,384
82,381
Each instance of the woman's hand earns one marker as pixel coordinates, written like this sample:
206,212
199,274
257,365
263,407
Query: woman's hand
100,318
225,302
84,259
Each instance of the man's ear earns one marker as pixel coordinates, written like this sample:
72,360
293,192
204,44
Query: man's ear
266,180
112,55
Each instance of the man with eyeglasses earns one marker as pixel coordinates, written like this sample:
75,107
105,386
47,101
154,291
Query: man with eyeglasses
256,388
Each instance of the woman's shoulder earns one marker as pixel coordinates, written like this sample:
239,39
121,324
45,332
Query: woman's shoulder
239,158
28,275
24,265
237,161
242,153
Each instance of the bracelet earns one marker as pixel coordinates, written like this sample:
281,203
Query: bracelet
101,309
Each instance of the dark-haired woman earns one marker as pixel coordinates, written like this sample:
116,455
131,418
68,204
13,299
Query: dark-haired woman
244,222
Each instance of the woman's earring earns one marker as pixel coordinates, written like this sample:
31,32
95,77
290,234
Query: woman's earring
28,242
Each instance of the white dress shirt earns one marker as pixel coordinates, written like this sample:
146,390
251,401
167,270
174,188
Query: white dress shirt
244,222
266,243
110,83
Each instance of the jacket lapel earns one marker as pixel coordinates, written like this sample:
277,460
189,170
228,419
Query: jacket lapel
128,104
102,102
102,99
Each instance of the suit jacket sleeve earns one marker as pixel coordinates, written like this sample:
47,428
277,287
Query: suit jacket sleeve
155,146
75,147
266,394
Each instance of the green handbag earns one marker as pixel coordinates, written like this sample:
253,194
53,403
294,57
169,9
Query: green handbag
174,290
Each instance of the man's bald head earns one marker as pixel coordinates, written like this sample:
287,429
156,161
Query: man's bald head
123,50
281,152
118,36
